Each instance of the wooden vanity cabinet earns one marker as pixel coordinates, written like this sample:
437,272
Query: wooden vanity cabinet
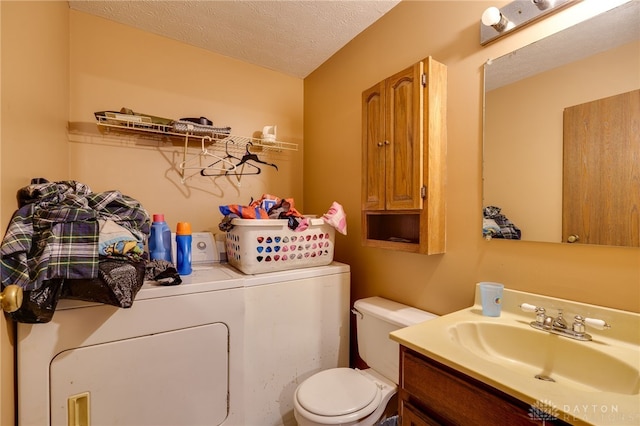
403,160
433,394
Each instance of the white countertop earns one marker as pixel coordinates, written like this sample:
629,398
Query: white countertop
572,402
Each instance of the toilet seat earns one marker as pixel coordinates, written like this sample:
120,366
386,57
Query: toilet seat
338,392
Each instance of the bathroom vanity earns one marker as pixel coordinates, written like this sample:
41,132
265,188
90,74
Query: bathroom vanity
433,394
466,368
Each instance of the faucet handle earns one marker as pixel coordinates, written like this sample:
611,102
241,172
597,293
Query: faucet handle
541,313
579,322
578,325
529,308
597,323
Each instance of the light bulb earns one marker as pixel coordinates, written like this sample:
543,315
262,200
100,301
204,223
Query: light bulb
491,16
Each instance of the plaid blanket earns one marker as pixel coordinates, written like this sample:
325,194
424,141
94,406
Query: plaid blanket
55,232
507,229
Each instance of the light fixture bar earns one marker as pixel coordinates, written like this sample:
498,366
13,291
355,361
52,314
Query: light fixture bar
496,23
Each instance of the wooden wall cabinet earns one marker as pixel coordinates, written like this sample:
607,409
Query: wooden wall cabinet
434,394
403,159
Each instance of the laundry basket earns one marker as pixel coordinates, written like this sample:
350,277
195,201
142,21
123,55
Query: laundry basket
266,245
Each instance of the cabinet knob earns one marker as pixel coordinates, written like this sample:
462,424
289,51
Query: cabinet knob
386,142
380,143
573,239
11,298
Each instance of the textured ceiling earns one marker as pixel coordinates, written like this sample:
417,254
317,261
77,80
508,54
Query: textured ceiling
290,36
603,32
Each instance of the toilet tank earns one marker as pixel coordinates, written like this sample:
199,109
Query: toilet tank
376,317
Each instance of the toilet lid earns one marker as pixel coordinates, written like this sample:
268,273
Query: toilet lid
337,392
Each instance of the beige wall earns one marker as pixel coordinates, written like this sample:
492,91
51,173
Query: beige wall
60,66
448,31
6,350
523,161
35,95
33,137
114,66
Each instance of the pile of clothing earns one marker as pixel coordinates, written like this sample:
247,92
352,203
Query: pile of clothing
497,225
65,241
272,207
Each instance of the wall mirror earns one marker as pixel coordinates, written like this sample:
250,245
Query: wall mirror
560,114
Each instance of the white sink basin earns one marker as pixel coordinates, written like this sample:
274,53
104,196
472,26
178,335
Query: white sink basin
547,356
593,382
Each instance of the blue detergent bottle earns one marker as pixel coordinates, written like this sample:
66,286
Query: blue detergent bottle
160,239
183,248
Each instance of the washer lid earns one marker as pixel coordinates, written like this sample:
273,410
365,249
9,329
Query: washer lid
336,392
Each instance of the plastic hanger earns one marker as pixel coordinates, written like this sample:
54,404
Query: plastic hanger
204,152
250,156
227,156
228,159
238,173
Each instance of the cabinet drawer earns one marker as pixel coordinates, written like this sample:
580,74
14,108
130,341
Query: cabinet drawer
412,416
455,398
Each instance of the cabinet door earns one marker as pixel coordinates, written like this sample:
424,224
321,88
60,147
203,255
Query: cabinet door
403,147
373,160
600,184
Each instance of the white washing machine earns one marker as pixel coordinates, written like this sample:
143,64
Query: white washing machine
174,358
296,324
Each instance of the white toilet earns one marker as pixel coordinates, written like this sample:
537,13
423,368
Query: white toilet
346,396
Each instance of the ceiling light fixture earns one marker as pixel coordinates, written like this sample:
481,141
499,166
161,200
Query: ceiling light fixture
496,23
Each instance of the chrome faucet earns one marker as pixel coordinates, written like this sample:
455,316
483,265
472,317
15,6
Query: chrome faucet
550,323
559,323
559,326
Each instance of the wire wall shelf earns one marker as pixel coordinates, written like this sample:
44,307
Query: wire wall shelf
207,140
195,133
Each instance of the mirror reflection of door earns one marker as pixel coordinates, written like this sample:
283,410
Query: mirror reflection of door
601,178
